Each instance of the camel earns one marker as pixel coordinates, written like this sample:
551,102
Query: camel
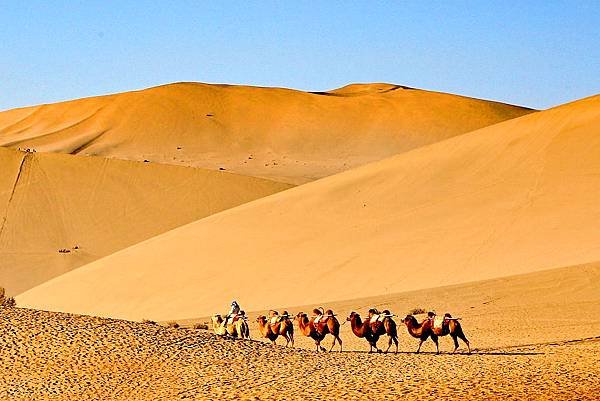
283,327
371,331
451,326
236,328
327,324
422,331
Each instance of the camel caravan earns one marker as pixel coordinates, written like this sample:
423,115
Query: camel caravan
323,322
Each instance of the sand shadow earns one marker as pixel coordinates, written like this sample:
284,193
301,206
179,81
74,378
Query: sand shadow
457,354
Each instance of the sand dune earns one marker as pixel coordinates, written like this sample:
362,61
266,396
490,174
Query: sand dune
281,134
535,337
90,207
516,197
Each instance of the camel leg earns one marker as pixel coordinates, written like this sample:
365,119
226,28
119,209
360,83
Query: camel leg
454,338
332,344
437,345
462,337
292,339
389,345
419,349
396,342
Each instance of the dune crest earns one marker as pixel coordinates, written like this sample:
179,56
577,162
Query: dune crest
280,134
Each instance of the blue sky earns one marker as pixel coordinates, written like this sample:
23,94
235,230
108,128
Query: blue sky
533,53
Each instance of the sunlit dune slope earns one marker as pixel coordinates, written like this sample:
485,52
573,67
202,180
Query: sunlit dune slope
89,207
516,197
283,134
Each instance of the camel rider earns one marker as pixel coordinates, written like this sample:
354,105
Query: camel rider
431,316
233,312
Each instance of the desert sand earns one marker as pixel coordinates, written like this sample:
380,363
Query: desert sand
516,197
169,202
281,134
535,337
60,211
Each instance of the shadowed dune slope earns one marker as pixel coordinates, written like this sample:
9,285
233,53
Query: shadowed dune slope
90,207
281,134
513,198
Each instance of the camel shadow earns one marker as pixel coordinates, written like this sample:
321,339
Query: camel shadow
474,353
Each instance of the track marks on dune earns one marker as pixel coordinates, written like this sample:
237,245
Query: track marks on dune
24,159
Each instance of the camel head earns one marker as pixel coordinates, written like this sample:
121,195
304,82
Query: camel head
353,315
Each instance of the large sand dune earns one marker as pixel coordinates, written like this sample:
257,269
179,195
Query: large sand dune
90,207
516,197
282,134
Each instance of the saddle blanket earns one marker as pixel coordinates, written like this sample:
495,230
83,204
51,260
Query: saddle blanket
438,322
377,318
320,318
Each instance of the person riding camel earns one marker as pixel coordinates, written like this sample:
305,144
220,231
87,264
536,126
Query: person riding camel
233,312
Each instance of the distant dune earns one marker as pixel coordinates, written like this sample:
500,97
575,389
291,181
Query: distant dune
281,134
516,197
60,211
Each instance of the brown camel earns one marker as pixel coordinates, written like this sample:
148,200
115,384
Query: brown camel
422,331
371,331
283,327
451,326
236,328
327,324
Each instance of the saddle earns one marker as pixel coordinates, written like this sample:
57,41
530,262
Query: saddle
320,319
377,318
277,319
439,322
235,318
